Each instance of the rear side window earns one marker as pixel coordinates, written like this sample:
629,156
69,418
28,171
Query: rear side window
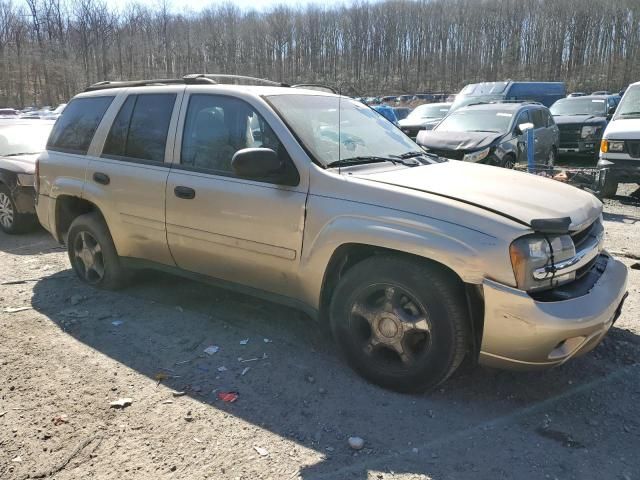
140,129
74,130
539,120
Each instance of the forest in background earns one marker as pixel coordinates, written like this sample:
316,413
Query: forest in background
52,49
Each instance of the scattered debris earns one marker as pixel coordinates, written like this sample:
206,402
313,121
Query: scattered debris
266,340
356,443
117,323
188,417
179,394
17,459
228,397
244,342
212,349
180,309
635,266
310,379
197,440
2,414
121,403
415,450
76,299
322,391
248,360
16,309
167,402
263,452
75,313
245,370
222,369
60,419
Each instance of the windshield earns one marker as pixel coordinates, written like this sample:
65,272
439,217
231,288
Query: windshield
333,129
428,111
629,106
19,139
580,106
476,121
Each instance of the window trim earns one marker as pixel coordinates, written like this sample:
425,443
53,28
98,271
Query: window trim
73,151
169,134
179,140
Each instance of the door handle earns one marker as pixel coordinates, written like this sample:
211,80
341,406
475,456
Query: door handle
184,192
101,178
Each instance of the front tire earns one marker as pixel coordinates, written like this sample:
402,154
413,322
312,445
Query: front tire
11,221
608,187
508,161
401,324
92,253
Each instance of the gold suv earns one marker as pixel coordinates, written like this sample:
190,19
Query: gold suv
313,199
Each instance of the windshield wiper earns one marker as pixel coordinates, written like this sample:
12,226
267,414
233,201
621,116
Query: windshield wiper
406,155
487,131
21,153
360,161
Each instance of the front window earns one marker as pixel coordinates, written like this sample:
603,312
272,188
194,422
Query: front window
423,112
23,139
335,128
580,106
629,106
493,121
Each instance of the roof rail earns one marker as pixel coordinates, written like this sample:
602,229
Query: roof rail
191,79
237,78
316,86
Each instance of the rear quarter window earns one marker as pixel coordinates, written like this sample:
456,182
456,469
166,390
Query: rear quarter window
74,130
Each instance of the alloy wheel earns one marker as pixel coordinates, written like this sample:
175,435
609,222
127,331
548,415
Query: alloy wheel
390,326
87,256
6,211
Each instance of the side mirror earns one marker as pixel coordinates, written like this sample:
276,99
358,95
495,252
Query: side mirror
256,163
523,127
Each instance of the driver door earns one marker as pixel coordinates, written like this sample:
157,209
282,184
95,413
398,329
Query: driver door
523,117
248,232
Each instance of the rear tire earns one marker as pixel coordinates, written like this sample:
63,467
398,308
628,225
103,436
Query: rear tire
11,221
92,253
401,324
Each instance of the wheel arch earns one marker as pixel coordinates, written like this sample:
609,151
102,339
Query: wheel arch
67,209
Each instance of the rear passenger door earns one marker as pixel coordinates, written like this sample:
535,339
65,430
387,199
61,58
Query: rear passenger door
543,138
127,181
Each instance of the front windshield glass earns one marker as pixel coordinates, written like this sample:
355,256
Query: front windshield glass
428,111
580,106
21,139
629,106
476,121
334,129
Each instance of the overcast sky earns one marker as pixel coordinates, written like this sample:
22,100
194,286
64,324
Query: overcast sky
245,4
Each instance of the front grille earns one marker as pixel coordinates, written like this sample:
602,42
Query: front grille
633,148
452,154
569,135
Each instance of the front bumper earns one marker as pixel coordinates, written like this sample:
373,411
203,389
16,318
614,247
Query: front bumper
621,169
521,333
588,147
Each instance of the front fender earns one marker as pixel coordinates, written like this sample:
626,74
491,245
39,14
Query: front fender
469,253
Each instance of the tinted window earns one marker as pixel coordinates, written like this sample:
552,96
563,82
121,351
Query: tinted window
74,130
538,119
140,129
217,127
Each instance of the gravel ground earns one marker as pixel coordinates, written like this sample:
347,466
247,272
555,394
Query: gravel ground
73,350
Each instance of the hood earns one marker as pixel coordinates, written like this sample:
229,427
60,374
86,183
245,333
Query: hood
519,196
579,120
467,141
20,164
623,129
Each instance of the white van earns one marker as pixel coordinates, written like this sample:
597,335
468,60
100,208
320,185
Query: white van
620,147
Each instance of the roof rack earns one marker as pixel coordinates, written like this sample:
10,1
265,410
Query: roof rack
315,86
191,79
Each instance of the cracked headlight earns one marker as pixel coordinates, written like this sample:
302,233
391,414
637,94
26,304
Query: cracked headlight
533,252
476,156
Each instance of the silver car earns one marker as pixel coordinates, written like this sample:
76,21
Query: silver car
314,200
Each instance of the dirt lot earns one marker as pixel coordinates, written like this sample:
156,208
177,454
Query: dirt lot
75,349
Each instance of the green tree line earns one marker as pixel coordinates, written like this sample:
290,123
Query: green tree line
51,49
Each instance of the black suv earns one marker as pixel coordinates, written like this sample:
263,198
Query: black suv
582,121
494,133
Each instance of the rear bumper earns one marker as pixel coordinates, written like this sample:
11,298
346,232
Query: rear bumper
521,333
43,210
